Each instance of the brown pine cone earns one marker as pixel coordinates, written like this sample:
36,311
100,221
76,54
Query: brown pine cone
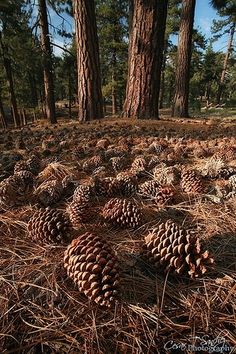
49,226
84,191
139,166
93,266
122,212
49,192
164,195
149,189
12,191
92,163
176,249
79,211
191,183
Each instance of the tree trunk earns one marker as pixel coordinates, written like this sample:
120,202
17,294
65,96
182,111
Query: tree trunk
162,88
47,63
2,114
181,97
145,59
9,76
33,89
227,55
89,81
113,79
70,92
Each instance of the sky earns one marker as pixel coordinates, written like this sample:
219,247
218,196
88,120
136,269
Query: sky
204,16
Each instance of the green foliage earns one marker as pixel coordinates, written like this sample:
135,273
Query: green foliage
22,49
112,22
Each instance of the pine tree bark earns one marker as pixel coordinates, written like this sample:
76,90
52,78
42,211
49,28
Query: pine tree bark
89,80
47,63
145,59
2,114
181,97
226,60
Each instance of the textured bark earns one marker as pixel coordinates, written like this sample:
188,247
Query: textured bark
47,63
145,59
2,115
180,104
89,80
226,60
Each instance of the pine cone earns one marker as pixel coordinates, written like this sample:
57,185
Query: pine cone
176,249
12,191
107,187
139,166
20,166
128,184
49,226
149,189
226,154
27,178
191,182
226,172
49,192
33,164
93,266
79,211
118,163
164,195
84,191
166,175
122,212
232,182
92,163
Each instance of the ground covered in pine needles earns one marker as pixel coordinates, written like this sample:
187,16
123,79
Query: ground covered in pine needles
43,311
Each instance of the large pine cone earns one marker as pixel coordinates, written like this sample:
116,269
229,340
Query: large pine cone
176,249
191,183
93,266
49,226
122,212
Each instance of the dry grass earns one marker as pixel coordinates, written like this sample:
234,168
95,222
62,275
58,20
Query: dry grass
41,310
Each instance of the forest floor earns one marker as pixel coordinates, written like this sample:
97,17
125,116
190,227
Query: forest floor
42,311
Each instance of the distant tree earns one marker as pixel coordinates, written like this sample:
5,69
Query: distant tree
89,81
145,59
47,63
9,15
181,97
227,10
172,27
112,20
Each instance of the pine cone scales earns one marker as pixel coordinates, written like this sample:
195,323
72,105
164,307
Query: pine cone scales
79,211
49,226
93,266
84,192
176,249
191,182
122,212
49,192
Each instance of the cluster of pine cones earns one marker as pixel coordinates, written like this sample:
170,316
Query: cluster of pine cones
112,178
